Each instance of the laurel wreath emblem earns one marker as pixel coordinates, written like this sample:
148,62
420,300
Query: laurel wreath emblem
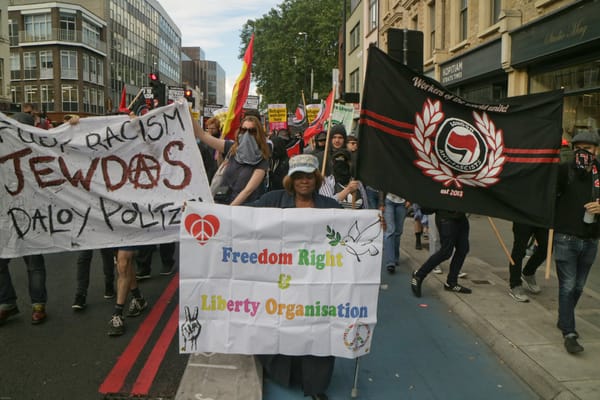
425,129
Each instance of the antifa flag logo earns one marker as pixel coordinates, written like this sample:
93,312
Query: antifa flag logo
460,146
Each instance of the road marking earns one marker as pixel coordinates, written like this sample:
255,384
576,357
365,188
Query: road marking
222,366
116,377
148,373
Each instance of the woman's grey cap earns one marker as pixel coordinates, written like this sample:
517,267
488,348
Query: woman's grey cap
586,136
303,163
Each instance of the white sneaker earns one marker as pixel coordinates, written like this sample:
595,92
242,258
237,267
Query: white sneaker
437,270
518,293
462,274
530,284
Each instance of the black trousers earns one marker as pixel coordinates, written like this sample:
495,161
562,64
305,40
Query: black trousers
522,233
144,256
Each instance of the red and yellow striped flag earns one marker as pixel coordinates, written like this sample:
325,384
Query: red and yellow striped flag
239,95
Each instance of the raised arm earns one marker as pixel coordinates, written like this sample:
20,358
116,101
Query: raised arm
205,137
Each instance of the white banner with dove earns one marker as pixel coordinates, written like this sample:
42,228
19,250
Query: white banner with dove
278,281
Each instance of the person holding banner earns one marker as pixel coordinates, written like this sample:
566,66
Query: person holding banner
247,159
300,191
576,230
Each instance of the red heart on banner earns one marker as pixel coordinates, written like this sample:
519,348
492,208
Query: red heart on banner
202,228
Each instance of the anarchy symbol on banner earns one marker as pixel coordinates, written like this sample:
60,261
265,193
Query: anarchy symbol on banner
356,336
423,142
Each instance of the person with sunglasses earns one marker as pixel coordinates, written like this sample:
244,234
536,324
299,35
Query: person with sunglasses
247,159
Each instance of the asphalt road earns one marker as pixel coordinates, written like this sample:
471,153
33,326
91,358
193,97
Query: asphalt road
70,356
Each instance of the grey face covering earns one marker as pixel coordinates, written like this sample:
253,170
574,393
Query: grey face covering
248,151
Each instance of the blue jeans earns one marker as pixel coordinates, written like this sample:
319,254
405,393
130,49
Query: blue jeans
574,258
36,270
373,197
454,237
394,215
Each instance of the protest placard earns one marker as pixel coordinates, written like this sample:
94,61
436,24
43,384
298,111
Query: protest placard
278,281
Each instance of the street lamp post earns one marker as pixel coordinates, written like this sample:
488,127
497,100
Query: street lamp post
305,52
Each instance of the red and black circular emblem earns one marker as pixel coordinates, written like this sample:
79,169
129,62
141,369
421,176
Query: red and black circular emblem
460,146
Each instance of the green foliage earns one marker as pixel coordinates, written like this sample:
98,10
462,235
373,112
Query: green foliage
283,58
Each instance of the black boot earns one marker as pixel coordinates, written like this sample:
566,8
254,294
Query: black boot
418,245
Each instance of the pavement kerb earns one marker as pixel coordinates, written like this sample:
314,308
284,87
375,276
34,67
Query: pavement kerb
220,377
532,373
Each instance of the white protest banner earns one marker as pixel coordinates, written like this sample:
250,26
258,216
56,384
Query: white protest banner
104,182
343,114
278,281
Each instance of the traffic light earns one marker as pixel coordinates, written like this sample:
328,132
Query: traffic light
188,96
158,88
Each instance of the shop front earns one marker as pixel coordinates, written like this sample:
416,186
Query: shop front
562,51
477,75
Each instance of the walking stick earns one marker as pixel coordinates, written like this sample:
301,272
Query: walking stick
354,392
501,241
549,253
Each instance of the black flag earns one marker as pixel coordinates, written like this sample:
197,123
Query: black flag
420,141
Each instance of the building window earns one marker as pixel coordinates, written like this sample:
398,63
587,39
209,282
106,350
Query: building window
100,72
67,27
15,94
86,100
355,37
13,32
46,65
94,101
93,66
30,65
495,9
47,97
15,66
90,34
31,94
2,77
372,15
463,20
69,97
86,67
355,81
100,102
68,64
38,27
431,9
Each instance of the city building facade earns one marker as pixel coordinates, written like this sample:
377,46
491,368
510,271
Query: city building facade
489,49
4,59
78,57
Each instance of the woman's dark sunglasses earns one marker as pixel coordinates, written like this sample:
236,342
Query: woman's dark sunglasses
252,131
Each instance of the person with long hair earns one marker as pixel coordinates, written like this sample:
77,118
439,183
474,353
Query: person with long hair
247,159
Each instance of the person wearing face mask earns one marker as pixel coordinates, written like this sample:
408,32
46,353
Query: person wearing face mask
576,230
340,184
247,159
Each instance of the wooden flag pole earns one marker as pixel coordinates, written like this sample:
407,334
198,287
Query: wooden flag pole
134,100
328,131
501,241
549,253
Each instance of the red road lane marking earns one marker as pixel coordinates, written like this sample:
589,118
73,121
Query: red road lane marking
116,377
146,377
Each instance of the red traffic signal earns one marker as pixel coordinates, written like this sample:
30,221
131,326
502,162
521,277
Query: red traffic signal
187,93
153,76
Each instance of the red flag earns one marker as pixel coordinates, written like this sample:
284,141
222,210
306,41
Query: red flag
294,149
317,125
123,105
239,95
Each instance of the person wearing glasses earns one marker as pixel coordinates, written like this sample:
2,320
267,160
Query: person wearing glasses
247,159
